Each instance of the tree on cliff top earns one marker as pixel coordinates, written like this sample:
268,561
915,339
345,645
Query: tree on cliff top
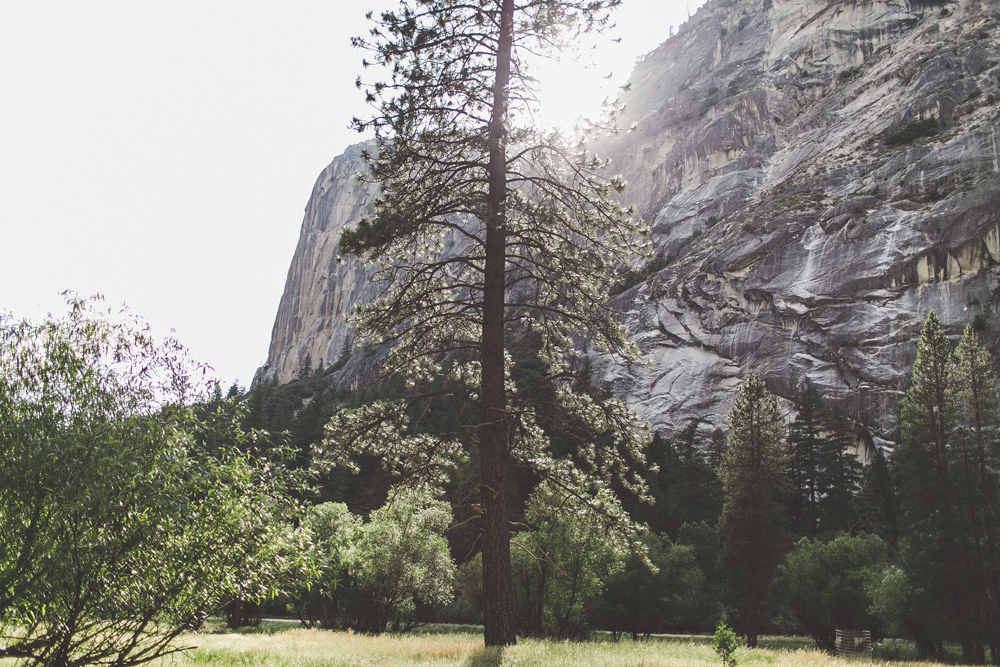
487,229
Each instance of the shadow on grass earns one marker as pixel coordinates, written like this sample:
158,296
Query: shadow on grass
485,657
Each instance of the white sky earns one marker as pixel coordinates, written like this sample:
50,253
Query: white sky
161,152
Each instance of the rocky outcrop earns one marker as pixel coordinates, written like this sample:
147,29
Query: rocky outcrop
311,327
818,174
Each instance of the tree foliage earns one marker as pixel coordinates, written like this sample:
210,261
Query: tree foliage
725,644
124,519
486,230
318,598
401,560
824,475
824,583
560,564
661,590
752,526
372,576
947,465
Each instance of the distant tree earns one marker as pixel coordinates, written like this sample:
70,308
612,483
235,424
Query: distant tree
639,600
716,448
486,229
823,474
825,584
877,505
125,517
752,526
841,473
694,492
401,558
317,598
684,487
805,442
703,538
931,557
558,565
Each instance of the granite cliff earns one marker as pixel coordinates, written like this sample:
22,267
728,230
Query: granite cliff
817,174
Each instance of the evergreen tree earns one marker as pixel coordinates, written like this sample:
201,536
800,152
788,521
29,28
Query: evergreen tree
752,523
805,442
877,506
716,448
931,545
976,472
824,475
840,474
693,491
486,228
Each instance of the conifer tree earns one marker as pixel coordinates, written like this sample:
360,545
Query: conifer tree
804,468
931,551
840,476
976,472
487,230
752,523
877,506
824,475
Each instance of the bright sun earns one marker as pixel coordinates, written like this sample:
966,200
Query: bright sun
576,86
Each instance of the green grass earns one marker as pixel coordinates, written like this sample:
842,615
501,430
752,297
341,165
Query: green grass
442,646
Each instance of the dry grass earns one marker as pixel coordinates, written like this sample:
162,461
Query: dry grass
318,648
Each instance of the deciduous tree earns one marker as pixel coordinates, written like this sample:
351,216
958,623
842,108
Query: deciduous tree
126,514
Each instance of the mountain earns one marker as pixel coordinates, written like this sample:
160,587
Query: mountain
817,174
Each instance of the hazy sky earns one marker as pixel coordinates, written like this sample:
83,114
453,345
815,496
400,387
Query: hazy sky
161,152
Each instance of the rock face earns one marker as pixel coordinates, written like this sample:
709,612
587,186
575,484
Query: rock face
321,288
819,175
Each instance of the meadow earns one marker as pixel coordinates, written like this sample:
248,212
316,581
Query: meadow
297,647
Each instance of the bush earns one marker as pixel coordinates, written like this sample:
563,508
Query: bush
401,559
559,565
639,601
126,513
824,584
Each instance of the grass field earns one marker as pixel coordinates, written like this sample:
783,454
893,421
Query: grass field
285,647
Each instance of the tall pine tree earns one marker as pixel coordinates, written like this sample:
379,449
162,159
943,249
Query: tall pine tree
976,473
487,230
752,525
931,549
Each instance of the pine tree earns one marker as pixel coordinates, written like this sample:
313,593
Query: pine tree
931,551
976,472
824,474
877,505
752,523
716,448
840,476
805,442
487,230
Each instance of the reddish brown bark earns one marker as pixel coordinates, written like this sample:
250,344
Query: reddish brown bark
498,592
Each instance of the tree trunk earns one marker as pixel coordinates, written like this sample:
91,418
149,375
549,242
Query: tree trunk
498,590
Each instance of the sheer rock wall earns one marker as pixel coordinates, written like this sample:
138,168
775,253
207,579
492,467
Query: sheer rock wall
777,160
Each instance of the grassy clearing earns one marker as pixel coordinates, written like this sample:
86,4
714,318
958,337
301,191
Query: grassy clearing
318,648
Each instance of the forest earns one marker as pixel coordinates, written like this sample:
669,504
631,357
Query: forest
904,548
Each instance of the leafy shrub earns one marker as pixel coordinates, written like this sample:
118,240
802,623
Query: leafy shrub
558,566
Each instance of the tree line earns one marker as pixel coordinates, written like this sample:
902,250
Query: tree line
773,526
109,467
